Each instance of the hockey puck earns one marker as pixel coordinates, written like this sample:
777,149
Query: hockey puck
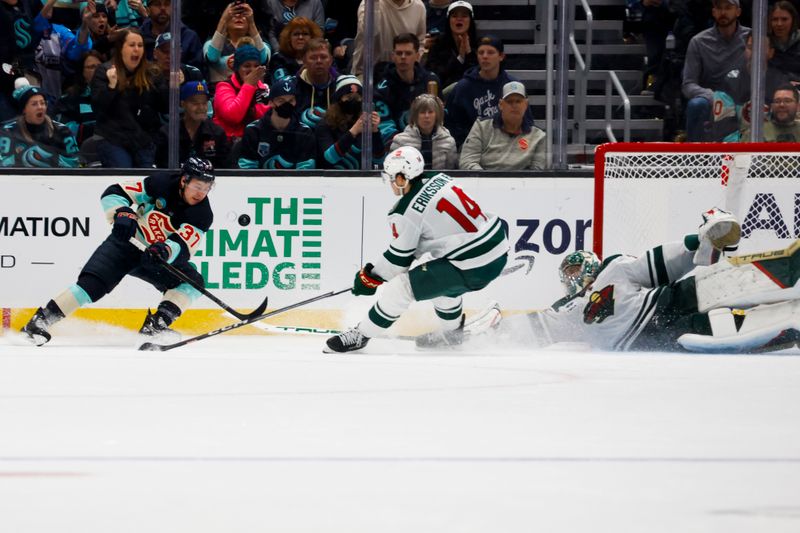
244,220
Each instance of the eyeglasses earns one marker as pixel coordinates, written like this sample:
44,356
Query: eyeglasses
786,101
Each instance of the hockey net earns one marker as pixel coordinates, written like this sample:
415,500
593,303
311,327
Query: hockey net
650,193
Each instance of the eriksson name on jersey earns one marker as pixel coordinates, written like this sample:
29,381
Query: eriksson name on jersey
429,191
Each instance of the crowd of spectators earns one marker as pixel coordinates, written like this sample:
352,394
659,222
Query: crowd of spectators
278,83
699,61
275,84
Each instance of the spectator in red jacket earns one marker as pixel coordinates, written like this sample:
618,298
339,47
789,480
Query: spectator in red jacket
242,98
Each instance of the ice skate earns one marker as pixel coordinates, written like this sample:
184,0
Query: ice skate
36,329
346,341
441,338
156,328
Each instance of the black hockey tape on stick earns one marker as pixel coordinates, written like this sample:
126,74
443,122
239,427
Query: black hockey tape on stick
183,277
152,347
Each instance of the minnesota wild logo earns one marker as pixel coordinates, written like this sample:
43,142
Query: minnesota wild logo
600,306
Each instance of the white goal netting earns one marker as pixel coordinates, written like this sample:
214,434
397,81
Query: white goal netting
650,193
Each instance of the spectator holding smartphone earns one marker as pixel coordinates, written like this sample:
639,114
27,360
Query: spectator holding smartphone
235,24
242,98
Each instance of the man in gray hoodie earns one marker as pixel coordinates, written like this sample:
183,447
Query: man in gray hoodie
709,59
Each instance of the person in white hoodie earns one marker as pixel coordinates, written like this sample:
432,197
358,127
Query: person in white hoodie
392,17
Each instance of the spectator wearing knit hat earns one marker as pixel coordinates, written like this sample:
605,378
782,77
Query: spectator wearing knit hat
34,139
242,98
198,135
278,140
338,135
477,94
509,140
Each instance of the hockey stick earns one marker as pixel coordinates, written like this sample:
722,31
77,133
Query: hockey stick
149,346
480,322
183,277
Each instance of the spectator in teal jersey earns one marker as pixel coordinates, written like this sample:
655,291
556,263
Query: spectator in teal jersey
34,139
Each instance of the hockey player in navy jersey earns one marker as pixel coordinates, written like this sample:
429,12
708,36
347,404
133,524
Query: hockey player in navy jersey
676,297
169,214
434,215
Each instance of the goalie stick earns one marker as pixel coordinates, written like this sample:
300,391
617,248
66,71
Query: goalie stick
183,277
153,347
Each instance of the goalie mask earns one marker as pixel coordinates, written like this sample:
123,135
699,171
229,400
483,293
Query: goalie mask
406,161
578,270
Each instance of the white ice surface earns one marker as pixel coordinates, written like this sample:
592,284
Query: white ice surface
267,434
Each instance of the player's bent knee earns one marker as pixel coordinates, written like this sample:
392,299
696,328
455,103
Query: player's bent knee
95,287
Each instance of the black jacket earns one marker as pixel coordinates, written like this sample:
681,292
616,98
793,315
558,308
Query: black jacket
128,118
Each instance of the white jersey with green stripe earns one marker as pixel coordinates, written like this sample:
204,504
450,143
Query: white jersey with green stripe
439,218
614,310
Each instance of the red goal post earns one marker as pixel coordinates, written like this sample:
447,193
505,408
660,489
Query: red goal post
649,193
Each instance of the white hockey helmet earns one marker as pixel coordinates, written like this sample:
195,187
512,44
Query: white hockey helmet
405,160
578,270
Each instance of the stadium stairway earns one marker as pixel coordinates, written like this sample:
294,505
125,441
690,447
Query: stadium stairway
515,21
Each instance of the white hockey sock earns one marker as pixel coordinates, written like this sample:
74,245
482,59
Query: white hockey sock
395,298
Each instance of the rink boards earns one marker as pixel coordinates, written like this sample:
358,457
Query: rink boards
292,237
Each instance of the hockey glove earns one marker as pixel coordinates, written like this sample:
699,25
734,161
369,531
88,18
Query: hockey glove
155,255
125,223
366,283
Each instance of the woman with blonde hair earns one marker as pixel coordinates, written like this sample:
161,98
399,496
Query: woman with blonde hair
426,133
293,40
128,94
236,23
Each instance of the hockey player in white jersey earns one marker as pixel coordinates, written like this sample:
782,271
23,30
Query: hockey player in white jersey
740,304
434,215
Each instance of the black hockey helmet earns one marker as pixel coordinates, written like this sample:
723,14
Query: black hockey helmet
199,169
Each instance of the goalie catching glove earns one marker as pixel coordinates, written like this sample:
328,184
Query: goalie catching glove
720,231
155,254
126,222
366,283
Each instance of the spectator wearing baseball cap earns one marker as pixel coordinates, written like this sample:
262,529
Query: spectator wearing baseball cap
509,140
477,94
338,134
454,50
279,140
198,135
161,58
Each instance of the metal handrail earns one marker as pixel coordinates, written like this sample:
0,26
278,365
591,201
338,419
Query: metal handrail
613,80
582,68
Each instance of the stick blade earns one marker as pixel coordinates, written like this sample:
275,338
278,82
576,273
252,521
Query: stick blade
152,347
258,311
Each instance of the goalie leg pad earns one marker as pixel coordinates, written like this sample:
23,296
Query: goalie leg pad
762,328
726,285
